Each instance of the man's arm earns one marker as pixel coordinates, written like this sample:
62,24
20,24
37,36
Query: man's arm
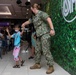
26,23
50,23
52,31
22,31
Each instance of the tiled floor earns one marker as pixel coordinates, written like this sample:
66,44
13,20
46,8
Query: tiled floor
7,62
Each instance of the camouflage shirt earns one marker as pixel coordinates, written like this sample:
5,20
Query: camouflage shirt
40,23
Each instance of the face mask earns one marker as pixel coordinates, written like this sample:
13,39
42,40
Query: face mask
16,31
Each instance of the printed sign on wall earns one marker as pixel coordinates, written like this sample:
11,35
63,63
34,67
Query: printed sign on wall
68,8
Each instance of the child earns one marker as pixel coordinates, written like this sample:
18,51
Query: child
33,41
17,39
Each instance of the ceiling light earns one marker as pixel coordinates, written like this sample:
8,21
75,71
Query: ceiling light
5,10
27,13
27,9
18,2
27,3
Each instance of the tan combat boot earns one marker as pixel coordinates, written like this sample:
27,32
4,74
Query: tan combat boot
35,66
50,70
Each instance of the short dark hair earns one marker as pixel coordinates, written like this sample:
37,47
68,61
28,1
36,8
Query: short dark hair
17,26
37,6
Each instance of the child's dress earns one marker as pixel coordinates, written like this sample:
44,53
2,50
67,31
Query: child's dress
17,38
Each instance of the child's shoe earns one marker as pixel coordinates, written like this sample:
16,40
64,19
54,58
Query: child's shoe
16,66
22,62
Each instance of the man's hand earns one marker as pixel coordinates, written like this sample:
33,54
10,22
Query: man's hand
23,25
23,28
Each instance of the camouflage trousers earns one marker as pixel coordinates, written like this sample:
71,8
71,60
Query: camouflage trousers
43,44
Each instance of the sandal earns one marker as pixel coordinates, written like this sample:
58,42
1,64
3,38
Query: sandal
16,66
22,62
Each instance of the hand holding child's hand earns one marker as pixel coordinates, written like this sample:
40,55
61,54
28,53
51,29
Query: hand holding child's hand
22,28
23,25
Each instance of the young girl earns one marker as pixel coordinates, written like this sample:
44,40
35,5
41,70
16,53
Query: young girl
17,39
33,41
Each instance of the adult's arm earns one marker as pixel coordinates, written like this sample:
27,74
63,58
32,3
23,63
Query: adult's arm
50,23
46,17
52,31
25,23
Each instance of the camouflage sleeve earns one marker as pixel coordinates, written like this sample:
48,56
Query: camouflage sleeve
44,16
30,20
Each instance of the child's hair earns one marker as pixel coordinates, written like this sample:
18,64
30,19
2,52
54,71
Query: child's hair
17,26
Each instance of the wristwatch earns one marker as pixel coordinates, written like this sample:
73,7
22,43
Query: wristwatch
52,29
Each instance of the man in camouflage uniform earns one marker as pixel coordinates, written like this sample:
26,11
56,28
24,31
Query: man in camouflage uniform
43,31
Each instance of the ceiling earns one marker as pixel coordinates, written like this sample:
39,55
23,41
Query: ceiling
9,9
